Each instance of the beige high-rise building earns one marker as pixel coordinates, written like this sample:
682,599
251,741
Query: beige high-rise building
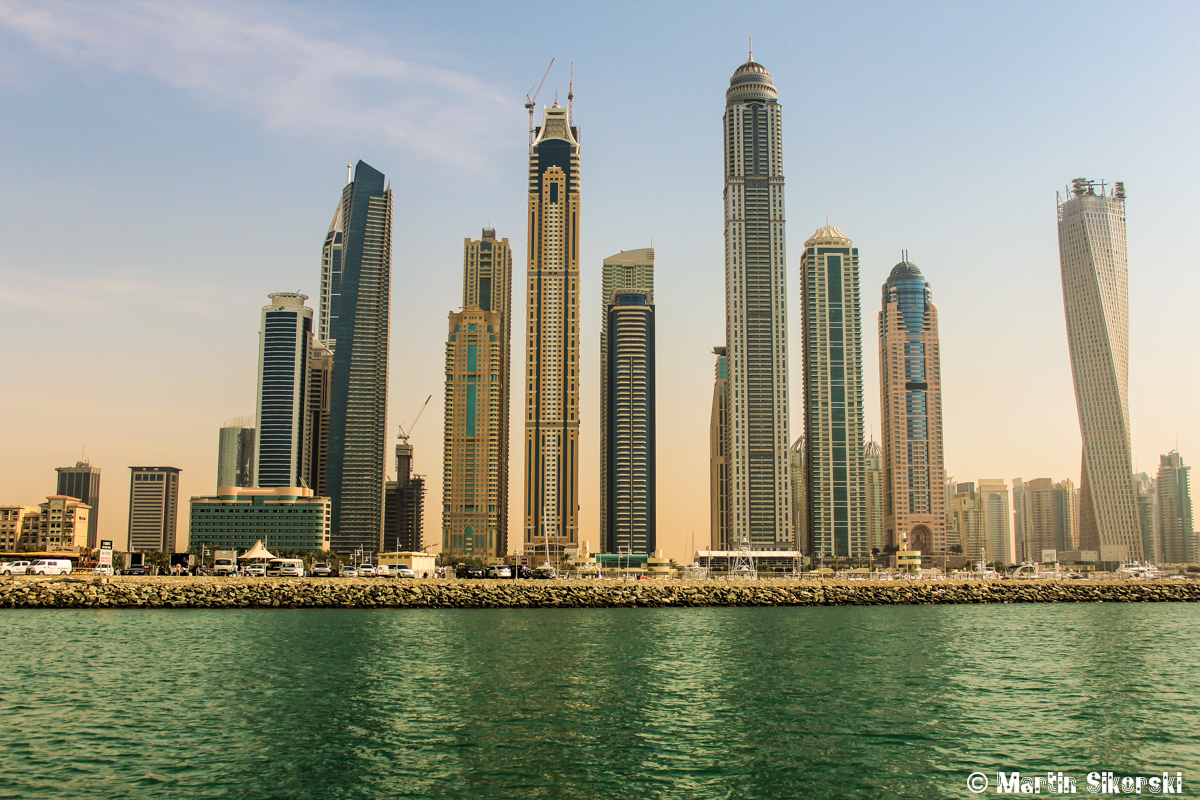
996,512
873,464
799,494
910,388
64,523
153,508
1177,531
967,513
475,440
1044,518
1095,281
627,270
552,341
718,454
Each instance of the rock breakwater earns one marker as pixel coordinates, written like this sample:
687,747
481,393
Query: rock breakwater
121,592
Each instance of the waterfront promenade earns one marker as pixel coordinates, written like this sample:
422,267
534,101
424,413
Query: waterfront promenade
167,592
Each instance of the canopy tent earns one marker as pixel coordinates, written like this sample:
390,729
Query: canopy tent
256,553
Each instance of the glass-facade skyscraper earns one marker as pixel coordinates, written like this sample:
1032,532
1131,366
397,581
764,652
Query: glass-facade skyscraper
552,340
355,304
1095,281
833,397
283,445
756,313
235,452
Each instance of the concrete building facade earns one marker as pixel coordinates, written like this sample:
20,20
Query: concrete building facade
1177,530
282,517
1095,281
910,389
718,455
63,523
629,269
475,446
551,485
19,527
153,508
82,482
759,505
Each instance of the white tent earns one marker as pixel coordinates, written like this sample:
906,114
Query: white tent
256,553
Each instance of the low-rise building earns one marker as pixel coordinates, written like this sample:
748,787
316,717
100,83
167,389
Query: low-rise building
18,527
282,517
63,523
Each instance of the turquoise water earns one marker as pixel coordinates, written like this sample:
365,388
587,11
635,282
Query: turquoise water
625,703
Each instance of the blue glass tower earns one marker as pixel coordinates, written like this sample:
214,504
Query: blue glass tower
282,451
357,330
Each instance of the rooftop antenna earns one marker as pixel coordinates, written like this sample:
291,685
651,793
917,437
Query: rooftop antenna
751,49
571,96
531,98
349,173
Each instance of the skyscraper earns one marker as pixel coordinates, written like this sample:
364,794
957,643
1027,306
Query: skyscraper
320,375
1095,281
996,517
235,452
82,482
629,269
1180,543
629,477
552,344
404,505
833,397
281,457
756,313
475,439
356,330
873,468
910,389
153,508
799,494
718,454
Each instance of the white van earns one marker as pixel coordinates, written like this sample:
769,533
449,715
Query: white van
51,566
286,568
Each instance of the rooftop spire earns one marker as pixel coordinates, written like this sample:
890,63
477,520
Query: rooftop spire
751,50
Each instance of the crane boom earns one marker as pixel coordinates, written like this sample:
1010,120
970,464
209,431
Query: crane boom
404,434
531,100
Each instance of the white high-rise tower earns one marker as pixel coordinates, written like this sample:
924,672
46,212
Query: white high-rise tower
1095,279
759,510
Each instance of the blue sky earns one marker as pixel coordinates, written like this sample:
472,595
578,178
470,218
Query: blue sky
167,165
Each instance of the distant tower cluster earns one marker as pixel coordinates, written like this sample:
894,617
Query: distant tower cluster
1045,516
552,340
1095,281
475,441
910,385
1177,532
759,507
833,397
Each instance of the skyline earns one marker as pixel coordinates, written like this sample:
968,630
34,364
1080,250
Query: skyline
184,294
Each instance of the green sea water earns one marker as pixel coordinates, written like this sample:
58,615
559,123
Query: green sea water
859,702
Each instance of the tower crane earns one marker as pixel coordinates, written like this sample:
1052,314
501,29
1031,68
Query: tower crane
531,100
404,434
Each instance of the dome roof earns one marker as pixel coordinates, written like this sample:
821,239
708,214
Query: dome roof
751,82
906,271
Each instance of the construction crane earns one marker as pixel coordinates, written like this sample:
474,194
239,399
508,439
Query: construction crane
404,434
530,100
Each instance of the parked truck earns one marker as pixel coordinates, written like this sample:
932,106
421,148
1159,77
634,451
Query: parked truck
225,562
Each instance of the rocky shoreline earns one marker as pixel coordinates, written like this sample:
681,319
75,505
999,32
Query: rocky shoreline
130,592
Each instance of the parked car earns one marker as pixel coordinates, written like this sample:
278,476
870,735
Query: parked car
51,566
137,569
465,571
523,571
366,570
544,573
349,572
384,571
321,570
256,571
14,568
499,571
102,569
404,572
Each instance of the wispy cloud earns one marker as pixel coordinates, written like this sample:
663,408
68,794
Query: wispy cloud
100,294
292,79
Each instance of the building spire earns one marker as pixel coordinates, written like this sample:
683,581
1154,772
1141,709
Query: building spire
751,50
